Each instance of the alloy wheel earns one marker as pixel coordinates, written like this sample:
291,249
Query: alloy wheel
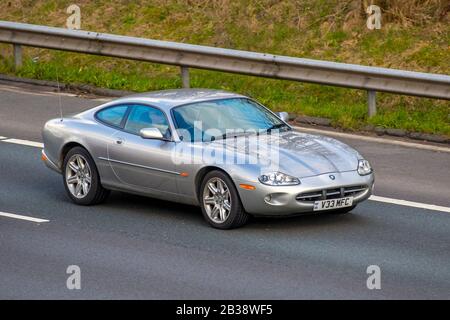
217,200
78,176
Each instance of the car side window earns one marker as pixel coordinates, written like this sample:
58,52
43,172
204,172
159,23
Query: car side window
147,117
113,115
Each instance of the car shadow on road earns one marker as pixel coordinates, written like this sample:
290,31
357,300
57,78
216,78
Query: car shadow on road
307,221
193,215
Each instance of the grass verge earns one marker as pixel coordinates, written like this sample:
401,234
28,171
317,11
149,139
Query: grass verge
414,36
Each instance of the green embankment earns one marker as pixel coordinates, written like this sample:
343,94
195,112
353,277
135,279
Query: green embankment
415,35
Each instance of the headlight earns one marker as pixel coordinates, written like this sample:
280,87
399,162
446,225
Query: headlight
278,179
364,167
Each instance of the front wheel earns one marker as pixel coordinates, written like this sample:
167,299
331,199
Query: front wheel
81,178
220,202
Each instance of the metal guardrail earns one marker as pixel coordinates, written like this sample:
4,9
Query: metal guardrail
354,76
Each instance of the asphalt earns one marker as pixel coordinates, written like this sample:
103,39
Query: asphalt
136,247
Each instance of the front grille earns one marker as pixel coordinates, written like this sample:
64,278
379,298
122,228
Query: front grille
334,193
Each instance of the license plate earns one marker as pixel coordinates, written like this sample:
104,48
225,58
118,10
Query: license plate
333,204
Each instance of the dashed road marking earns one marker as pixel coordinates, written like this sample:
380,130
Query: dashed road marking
22,142
410,204
21,217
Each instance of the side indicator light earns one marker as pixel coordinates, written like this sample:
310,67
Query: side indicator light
247,186
43,157
184,174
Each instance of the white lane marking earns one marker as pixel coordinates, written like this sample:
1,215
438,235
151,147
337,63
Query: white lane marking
374,139
41,93
20,217
24,142
47,93
410,204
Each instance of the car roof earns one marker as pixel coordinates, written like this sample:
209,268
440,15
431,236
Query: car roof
167,99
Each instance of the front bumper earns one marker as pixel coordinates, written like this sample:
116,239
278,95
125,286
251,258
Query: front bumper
283,198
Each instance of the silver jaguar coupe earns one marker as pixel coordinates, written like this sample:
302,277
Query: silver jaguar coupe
222,151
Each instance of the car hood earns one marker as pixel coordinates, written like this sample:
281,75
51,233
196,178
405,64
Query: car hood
294,153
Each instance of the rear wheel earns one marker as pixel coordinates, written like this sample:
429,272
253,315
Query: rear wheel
220,202
81,178
342,210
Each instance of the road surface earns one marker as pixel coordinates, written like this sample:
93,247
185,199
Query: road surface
133,247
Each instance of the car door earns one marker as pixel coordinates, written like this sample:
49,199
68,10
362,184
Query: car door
144,164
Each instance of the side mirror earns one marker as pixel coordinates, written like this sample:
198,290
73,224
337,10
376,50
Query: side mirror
151,133
283,116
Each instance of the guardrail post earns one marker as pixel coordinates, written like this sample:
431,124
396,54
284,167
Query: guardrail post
371,100
185,77
17,48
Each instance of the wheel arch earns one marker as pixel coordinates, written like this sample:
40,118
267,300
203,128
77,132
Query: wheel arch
69,146
201,175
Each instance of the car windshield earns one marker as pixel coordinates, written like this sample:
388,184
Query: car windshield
218,119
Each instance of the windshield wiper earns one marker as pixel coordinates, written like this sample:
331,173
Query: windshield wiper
236,134
278,126
231,134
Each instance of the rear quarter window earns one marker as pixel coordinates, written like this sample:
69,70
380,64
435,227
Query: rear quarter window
113,115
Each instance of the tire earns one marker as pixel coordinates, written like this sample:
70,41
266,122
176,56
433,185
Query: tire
213,205
83,186
342,210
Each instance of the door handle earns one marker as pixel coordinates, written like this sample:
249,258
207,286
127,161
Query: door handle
119,140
